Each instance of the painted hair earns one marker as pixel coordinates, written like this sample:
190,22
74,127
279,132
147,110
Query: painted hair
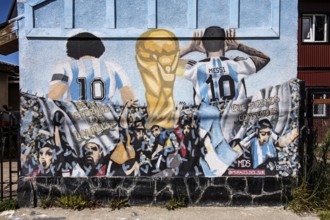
214,39
84,44
45,143
265,123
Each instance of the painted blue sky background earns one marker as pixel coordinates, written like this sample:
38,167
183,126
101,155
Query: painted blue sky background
5,6
48,36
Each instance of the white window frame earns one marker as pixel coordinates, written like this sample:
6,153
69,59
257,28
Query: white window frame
324,107
312,29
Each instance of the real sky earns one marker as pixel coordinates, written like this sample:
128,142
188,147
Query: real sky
5,6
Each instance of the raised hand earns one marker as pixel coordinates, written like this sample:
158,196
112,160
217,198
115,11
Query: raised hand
231,43
132,103
195,44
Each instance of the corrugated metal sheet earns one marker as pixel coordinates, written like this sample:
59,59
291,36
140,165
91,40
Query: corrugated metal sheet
315,78
314,55
314,60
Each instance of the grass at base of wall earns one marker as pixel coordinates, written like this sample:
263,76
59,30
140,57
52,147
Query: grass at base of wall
79,202
76,202
313,194
177,203
8,204
118,203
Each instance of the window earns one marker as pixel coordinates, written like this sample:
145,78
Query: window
314,28
319,110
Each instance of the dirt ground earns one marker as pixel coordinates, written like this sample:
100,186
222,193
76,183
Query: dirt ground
156,213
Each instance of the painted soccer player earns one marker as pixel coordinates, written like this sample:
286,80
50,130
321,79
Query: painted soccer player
87,77
218,78
46,159
264,140
92,161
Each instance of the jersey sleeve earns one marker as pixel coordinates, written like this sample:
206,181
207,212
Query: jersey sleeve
61,74
244,66
190,70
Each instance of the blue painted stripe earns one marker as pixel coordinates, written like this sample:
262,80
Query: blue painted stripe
119,82
74,86
233,74
203,87
264,150
106,79
254,151
206,169
225,153
216,78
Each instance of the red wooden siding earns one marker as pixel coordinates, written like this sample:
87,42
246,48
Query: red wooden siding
314,60
315,78
314,55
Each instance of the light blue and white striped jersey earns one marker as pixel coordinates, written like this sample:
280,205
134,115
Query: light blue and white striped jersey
218,78
90,79
261,152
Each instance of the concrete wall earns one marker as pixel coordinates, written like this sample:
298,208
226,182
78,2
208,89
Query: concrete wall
131,99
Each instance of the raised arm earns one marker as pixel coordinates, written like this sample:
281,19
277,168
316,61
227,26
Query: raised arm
57,90
259,58
127,94
123,117
194,45
288,138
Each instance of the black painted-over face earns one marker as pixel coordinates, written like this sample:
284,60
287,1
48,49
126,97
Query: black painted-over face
91,154
186,130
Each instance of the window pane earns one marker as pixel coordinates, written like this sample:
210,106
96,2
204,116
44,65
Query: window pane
306,28
49,14
319,28
320,109
208,13
172,14
131,13
89,14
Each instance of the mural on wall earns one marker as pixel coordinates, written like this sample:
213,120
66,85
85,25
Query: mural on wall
105,118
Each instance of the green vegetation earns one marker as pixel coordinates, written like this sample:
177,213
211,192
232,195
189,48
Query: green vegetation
313,194
8,204
46,202
177,203
118,203
76,202
324,215
79,202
